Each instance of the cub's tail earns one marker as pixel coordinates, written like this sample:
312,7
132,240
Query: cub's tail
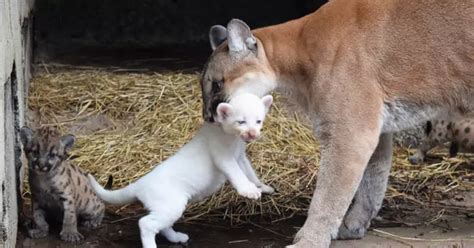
117,197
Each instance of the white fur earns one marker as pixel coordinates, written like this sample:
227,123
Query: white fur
216,154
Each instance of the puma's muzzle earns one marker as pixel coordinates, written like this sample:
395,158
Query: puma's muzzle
210,101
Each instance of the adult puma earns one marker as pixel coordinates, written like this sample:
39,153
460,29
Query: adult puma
362,70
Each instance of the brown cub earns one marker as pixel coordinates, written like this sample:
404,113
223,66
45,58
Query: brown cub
459,131
60,190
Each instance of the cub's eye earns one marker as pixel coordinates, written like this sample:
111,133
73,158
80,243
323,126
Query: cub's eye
241,122
51,156
259,121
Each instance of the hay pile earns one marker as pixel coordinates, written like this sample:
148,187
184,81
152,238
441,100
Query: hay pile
153,115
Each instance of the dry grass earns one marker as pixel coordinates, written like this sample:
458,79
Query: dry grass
153,115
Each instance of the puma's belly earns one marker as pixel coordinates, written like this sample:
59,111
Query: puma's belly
398,116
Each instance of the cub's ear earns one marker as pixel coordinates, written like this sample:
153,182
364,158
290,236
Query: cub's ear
26,136
224,110
267,101
65,144
217,35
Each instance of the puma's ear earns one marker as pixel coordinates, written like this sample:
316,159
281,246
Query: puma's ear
240,37
217,35
267,101
65,144
26,136
224,110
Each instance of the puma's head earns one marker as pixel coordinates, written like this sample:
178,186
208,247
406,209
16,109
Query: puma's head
238,64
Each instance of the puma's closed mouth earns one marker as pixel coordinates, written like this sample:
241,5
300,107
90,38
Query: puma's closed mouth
210,105
207,112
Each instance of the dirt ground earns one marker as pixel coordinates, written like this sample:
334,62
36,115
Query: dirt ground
121,232
405,225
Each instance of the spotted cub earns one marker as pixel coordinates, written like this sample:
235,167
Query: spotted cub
459,131
60,190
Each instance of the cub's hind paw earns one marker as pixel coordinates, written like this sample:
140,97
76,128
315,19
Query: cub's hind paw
92,224
37,233
178,237
72,237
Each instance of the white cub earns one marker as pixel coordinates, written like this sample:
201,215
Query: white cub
201,167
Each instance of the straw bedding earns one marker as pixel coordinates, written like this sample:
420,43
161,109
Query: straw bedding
150,116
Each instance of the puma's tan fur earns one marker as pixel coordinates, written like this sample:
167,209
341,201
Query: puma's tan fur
362,70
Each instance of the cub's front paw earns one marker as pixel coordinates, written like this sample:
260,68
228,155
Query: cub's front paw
37,233
250,191
71,236
267,189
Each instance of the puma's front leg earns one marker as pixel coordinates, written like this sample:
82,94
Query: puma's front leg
369,196
347,143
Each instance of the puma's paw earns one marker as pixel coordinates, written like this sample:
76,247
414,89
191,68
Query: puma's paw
308,236
250,191
353,227
267,189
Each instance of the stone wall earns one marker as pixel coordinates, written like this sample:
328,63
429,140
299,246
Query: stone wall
15,57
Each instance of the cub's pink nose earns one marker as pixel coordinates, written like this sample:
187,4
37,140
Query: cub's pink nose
252,134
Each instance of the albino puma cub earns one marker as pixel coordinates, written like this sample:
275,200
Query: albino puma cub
216,154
